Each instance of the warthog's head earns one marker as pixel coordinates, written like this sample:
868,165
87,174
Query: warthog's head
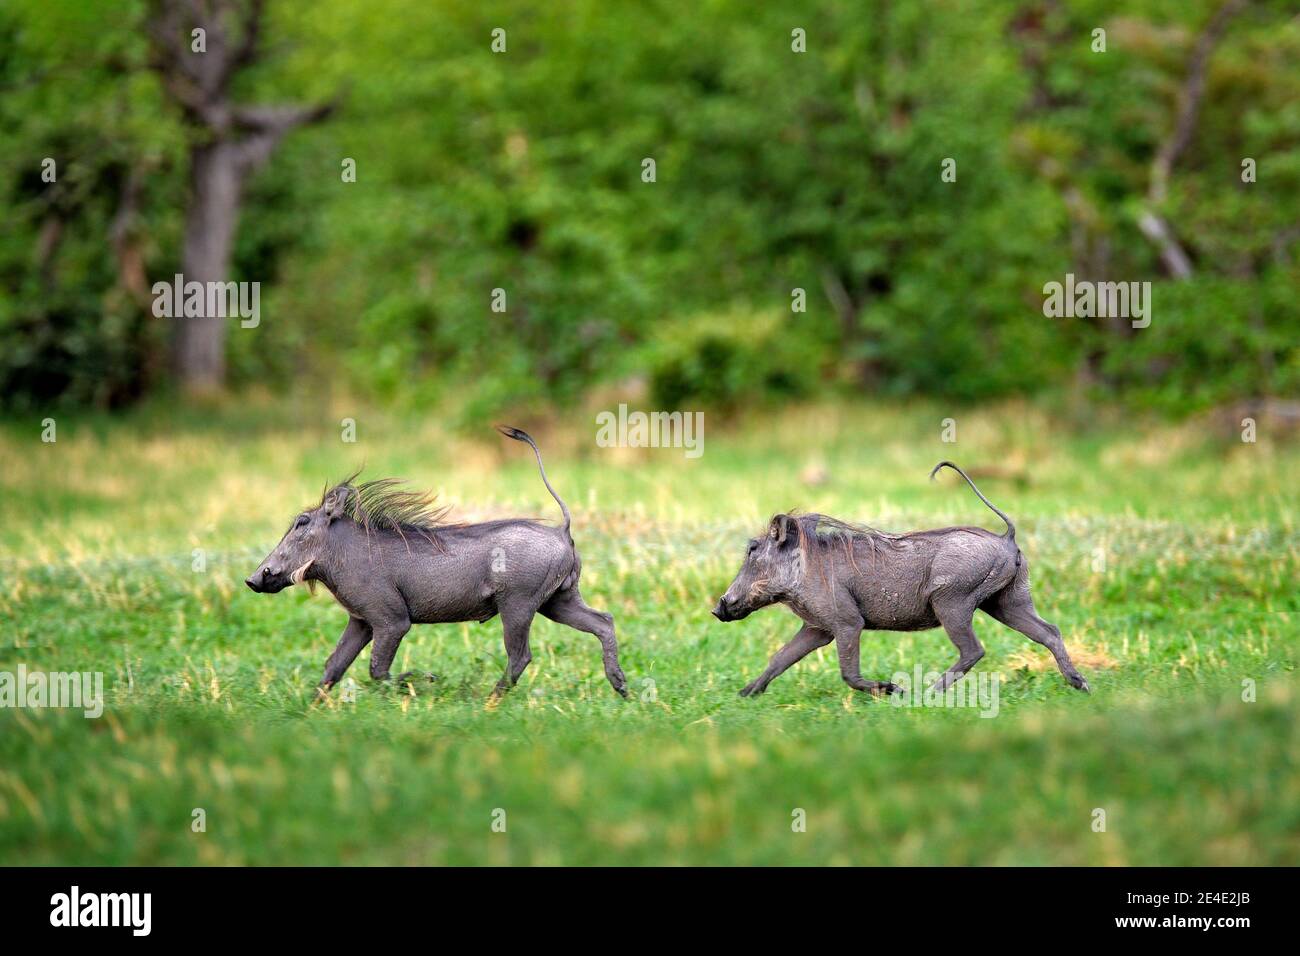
317,540
302,545
773,569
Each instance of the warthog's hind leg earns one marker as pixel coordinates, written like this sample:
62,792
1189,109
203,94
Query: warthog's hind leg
1014,607
568,607
516,625
956,621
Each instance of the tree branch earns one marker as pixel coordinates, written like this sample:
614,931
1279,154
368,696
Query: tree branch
248,49
269,124
1189,100
122,235
280,118
1152,224
1160,234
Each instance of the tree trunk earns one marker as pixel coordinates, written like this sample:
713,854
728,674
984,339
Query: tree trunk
210,220
231,140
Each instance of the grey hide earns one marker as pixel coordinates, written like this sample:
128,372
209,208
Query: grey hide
842,579
390,561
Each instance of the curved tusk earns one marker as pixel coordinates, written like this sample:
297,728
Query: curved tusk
300,575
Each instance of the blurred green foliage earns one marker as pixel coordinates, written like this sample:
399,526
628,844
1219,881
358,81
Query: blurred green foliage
775,170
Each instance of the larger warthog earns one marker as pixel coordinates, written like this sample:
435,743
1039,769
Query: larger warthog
391,561
842,579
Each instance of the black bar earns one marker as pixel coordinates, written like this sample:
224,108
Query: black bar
317,906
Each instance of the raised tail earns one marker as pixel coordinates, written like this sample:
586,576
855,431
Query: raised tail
523,436
1011,528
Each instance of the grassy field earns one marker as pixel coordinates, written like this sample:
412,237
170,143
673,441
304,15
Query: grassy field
1167,556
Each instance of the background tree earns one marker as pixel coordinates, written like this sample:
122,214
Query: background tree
777,170
199,47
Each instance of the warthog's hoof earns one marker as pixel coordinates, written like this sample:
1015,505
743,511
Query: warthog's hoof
750,690
884,689
1079,683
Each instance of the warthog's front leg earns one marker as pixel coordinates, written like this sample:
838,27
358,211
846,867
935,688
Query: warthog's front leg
355,636
388,635
848,645
796,649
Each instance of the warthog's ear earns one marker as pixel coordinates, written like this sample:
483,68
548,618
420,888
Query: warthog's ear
335,502
785,530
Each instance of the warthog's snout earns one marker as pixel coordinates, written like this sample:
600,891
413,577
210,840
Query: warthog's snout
263,580
725,611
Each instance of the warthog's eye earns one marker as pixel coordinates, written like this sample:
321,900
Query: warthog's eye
753,545
301,522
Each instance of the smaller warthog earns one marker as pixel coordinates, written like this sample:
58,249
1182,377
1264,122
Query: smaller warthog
391,561
842,579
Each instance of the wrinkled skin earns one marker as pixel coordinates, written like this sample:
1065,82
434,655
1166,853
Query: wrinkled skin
388,581
841,585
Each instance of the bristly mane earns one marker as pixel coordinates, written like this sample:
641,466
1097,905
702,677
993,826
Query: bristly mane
826,531
830,529
819,534
386,505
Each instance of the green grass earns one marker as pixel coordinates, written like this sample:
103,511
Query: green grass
1168,559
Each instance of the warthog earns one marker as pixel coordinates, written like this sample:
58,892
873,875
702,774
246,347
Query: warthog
842,579
391,561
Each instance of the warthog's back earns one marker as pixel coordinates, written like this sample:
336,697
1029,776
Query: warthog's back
895,578
475,568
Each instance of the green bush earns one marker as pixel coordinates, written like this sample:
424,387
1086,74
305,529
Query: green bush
775,170
725,360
